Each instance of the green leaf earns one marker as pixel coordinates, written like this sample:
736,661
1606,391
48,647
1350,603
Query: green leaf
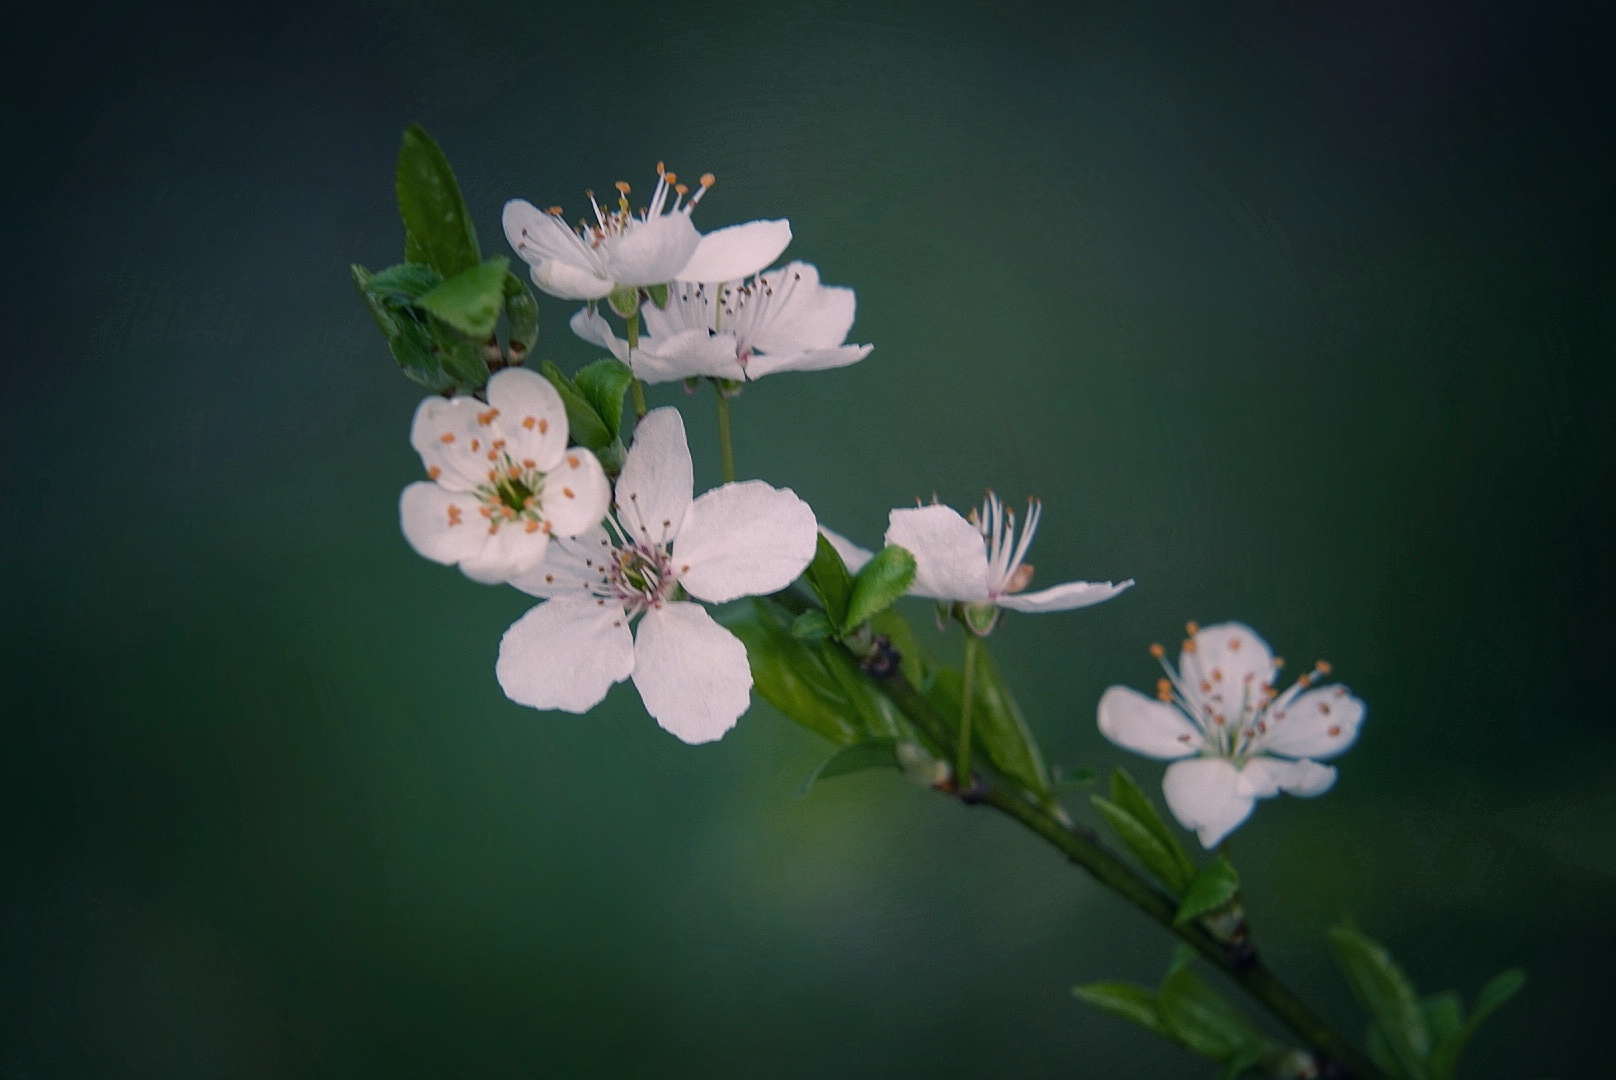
1135,1004
812,625
436,223
1001,730
878,584
412,347
1245,1060
1198,1017
818,685
584,424
603,385
658,294
828,577
1127,795
1140,840
403,282
385,319
1387,995
1445,1058
852,759
413,251
521,317
471,300
1444,1017
1075,776
1209,890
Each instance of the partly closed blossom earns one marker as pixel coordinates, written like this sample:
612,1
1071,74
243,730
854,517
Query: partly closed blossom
622,248
502,480
782,320
1232,737
658,546
981,562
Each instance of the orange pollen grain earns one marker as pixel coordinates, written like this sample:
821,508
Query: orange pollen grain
476,445
567,491
1234,645
708,180
544,426
493,528
446,437
1164,690
572,461
622,187
531,526
515,472
1334,729
434,472
529,463
1323,667
1324,708
1189,645
1157,651
529,423
486,417
1193,628
454,514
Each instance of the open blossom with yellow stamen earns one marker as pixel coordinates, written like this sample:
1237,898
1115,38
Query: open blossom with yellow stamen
745,539
1235,737
624,248
501,479
981,563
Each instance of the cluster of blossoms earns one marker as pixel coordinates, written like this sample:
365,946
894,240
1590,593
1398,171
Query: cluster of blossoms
622,573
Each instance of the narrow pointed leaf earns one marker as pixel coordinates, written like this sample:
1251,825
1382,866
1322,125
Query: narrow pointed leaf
878,585
403,282
1146,846
471,300
584,424
1388,997
1198,1017
1002,731
1127,795
1444,1016
603,384
852,759
1445,1058
1213,887
385,319
1135,1004
828,577
436,222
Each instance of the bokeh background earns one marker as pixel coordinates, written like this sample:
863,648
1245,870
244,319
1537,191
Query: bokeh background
1298,314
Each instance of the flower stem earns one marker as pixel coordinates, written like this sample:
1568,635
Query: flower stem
962,768
636,388
723,434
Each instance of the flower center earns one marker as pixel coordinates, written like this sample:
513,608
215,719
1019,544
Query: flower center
612,223
511,493
640,575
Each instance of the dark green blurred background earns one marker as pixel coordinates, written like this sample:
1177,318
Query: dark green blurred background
1297,314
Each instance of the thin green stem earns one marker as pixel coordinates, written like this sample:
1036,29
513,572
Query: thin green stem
636,388
962,771
724,446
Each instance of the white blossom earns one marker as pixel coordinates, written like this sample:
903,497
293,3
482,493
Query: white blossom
742,539
782,320
981,562
1232,738
622,248
502,480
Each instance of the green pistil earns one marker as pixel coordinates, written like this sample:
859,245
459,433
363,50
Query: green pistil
513,493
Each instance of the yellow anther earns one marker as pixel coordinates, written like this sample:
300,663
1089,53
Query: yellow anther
708,179
446,437
1157,651
531,526
1323,667
682,189
1192,628
670,177
1164,690
433,473
554,211
572,461
487,416
567,491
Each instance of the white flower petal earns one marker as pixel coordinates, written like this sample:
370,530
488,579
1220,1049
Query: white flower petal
1320,723
685,354
657,481
744,539
1203,794
736,252
651,252
450,441
510,551
571,567
1263,777
1233,660
1073,594
951,559
565,654
762,364
691,673
590,325
576,493
540,237
853,556
805,314
440,524
528,413
1147,726
564,280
